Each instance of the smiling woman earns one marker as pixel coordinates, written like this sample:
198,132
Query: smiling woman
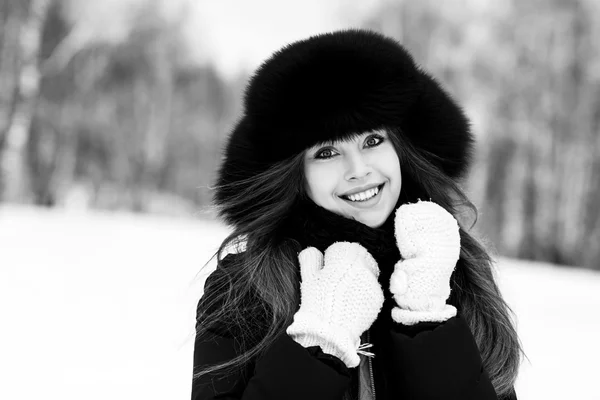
358,178
341,139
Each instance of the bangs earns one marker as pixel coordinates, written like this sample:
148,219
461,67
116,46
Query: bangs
351,136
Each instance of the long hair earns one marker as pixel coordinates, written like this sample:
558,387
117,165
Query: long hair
268,268
475,292
266,271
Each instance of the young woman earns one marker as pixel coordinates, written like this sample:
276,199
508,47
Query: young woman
350,277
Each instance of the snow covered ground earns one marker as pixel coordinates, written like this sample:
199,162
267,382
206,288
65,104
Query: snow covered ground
101,306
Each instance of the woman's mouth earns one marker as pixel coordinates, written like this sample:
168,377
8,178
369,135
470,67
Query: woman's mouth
367,197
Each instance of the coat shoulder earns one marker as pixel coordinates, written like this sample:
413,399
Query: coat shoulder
228,306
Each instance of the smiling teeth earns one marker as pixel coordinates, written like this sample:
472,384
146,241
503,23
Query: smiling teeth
366,195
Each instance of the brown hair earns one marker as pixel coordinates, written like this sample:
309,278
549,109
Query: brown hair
268,269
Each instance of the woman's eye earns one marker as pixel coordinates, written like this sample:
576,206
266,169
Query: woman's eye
373,141
325,153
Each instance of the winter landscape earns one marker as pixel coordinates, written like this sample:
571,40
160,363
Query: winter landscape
125,105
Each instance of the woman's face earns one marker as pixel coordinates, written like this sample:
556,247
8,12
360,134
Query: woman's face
357,178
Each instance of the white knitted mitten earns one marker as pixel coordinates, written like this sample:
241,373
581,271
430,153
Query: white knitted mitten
428,239
339,300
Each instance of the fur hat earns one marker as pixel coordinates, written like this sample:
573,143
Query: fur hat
332,85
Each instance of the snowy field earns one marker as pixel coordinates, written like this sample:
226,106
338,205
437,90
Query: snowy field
101,306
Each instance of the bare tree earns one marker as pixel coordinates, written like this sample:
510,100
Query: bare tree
19,86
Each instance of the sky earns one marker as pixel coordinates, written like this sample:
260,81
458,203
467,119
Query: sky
235,35
243,33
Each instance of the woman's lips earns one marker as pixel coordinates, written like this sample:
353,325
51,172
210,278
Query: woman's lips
366,203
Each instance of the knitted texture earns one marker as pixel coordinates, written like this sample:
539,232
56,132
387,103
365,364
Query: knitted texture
429,240
340,299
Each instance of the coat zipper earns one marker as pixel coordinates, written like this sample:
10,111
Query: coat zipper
371,366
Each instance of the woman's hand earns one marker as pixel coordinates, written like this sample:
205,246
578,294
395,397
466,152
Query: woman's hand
429,241
340,299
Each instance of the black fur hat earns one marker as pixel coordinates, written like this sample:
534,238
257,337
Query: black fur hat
331,85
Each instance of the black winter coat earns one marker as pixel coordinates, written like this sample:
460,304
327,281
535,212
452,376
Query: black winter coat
425,361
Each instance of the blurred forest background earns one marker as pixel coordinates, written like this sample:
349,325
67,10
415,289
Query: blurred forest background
136,124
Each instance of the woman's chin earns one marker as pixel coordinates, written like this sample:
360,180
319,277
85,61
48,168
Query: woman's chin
372,221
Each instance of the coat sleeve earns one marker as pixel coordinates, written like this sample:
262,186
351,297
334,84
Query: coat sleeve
438,361
286,370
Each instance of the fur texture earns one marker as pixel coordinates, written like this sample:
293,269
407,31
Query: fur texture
333,85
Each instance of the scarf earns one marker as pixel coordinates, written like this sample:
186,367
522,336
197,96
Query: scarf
313,226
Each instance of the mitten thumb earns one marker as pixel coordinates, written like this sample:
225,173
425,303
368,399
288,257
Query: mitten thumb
311,261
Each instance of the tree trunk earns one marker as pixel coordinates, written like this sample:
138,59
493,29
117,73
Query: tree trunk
19,86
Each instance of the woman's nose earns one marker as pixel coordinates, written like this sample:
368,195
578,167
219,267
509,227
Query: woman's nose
357,166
